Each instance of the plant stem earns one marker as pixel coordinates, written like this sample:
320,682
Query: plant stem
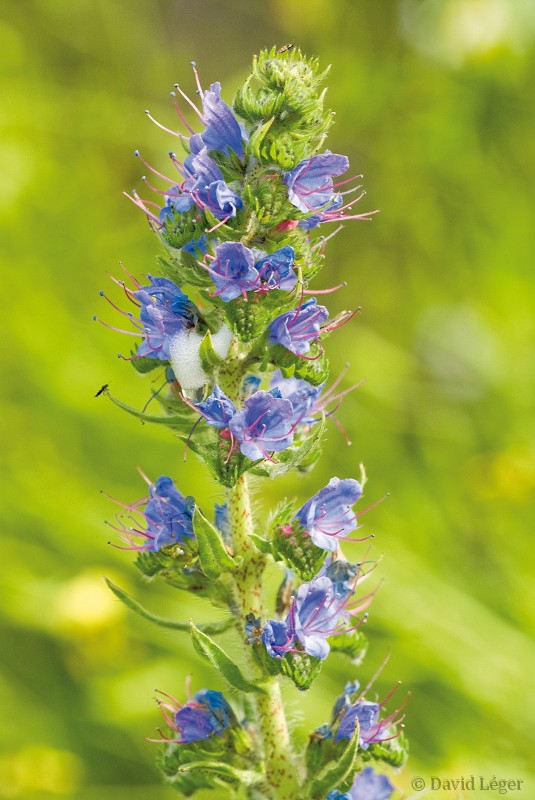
281,770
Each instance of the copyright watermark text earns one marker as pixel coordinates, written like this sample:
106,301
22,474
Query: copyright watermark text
469,783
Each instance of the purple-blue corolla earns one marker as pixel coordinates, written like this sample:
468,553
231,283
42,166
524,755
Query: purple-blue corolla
206,714
165,311
327,516
316,614
223,131
296,329
217,409
310,184
263,426
233,270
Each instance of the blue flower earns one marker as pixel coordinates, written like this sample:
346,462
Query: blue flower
206,714
368,785
233,270
327,516
208,188
176,201
296,329
301,394
217,409
276,269
165,311
263,426
315,615
165,520
223,131
310,185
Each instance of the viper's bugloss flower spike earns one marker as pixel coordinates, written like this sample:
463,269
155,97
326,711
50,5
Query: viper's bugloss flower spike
207,714
297,329
327,516
367,785
166,518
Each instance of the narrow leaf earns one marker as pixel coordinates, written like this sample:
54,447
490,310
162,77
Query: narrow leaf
334,773
225,771
255,140
226,667
177,421
211,628
213,557
262,544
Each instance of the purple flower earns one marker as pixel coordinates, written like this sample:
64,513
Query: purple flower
222,522
263,426
327,516
316,614
301,394
176,200
343,575
223,131
208,188
233,270
217,409
296,329
371,727
368,785
206,714
166,519
310,185
276,269
165,311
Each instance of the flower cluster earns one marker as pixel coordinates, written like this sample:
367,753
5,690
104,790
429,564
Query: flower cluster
239,338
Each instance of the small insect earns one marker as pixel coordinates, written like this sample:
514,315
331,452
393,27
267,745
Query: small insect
102,389
285,48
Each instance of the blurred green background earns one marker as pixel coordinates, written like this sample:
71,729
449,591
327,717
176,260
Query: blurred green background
434,102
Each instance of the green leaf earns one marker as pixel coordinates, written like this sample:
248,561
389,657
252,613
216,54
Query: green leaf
213,557
182,422
211,628
334,773
262,544
226,667
209,357
226,772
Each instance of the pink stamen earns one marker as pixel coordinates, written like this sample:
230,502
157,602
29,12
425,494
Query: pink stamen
197,81
191,103
181,116
151,168
162,127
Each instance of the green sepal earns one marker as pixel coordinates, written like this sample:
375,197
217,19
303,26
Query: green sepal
226,667
292,542
210,628
353,644
315,371
293,457
180,266
336,773
213,556
181,421
261,544
143,364
209,357
301,668
257,137
394,752
227,773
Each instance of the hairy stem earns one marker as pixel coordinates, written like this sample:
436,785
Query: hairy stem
281,772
